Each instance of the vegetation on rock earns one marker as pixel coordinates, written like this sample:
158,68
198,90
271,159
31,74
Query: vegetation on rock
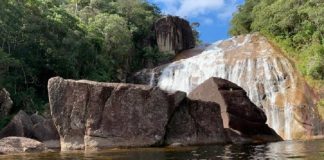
296,26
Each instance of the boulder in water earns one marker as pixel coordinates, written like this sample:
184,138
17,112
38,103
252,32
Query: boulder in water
91,115
20,144
196,122
240,116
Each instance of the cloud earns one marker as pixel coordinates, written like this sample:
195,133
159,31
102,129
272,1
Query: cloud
221,9
208,21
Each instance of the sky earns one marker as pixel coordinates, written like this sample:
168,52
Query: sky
213,15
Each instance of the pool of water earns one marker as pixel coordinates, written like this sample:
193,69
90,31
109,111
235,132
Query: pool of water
281,150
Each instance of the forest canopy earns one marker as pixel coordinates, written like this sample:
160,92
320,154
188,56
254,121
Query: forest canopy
102,40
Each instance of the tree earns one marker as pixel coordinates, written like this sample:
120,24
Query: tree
296,26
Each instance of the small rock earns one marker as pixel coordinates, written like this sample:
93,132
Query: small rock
176,145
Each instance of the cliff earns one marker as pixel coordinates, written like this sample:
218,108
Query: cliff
173,34
253,63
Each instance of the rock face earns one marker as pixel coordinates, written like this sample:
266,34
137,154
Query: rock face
260,68
35,127
94,115
45,131
5,103
20,126
20,144
240,116
173,34
91,115
196,122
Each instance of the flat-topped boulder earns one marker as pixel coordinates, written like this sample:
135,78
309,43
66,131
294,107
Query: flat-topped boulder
92,115
240,116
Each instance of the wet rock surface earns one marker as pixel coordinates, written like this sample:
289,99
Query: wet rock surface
173,34
261,69
20,144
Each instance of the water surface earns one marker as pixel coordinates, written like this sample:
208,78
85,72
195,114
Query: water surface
281,150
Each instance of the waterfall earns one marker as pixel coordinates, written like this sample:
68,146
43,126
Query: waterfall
152,78
252,63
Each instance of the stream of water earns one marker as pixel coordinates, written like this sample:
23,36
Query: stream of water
313,150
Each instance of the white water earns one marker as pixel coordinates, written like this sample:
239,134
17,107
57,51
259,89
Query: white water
249,68
152,78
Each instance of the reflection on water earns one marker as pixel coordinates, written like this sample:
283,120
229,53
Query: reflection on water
280,150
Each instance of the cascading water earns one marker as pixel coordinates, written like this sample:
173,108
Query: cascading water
152,78
254,64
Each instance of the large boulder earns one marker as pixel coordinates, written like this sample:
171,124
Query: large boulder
240,116
5,103
91,115
20,144
173,34
45,131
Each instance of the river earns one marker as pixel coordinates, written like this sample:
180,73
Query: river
280,150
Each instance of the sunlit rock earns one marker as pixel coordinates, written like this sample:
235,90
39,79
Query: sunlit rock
252,62
20,144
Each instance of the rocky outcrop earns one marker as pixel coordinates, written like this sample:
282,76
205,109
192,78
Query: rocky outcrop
261,69
5,103
91,115
20,144
94,115
196,122
45,131
35,127
240,116
173,34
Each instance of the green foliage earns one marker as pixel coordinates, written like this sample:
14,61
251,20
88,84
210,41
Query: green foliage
4,121
320,107
295,25
100,40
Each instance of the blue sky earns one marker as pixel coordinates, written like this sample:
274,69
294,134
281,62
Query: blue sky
213,15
